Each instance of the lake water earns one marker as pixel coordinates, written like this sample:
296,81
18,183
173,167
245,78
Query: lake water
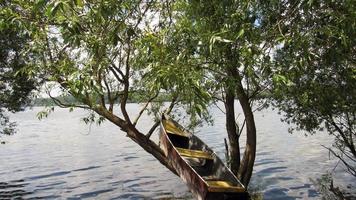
62,158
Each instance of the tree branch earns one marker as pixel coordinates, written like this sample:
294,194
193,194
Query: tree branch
115,70
110,99
350,168
99,80
126,85
342,134
143,13
64,105
144,108
167,111
242,128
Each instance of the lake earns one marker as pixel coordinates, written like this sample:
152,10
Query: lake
61,157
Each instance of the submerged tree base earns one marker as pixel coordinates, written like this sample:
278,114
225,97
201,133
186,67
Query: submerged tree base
325,186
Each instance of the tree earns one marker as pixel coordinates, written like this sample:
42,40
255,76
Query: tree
15,87
218,44
315,80
244,46
89,51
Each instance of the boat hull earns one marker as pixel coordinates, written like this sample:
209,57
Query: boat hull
186,173
197,185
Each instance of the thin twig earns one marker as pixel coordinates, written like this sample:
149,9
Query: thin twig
350,168
144,108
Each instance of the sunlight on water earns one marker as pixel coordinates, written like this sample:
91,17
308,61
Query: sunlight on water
61,157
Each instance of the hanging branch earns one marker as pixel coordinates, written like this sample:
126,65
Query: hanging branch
65,105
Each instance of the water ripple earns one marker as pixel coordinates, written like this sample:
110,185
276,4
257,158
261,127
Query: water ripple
91,194
86,168
61,173
271,170
133,196
279,194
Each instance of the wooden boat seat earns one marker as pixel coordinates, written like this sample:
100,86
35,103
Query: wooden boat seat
194,153
172,129
211,178
223,186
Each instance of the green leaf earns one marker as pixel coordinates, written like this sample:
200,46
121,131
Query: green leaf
39,5
79,3
241,32
215,38
53,8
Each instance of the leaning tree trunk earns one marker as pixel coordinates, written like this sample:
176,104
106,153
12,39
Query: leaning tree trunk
248,160
138,137
151,147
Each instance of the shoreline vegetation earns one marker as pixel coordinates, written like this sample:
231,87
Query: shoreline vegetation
133,98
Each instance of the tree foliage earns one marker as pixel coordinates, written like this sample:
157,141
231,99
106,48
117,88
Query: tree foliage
90,51
315,76
103,52
15,86
218,45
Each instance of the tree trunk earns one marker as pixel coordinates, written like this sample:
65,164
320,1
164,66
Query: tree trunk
138,137
234,150
248,160
150,147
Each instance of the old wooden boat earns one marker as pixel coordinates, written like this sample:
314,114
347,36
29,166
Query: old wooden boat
200,168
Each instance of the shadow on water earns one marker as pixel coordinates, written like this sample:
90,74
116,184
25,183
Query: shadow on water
27,188
268,176
163,196
282,193
91,194
16,190
61,173
13,190
278,193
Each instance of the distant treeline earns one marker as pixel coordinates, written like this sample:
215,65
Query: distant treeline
135,97
50,102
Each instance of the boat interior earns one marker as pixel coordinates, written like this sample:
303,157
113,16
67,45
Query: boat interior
202,159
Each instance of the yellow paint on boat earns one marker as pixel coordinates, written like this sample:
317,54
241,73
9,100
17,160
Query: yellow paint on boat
194,153
223,186
173,129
